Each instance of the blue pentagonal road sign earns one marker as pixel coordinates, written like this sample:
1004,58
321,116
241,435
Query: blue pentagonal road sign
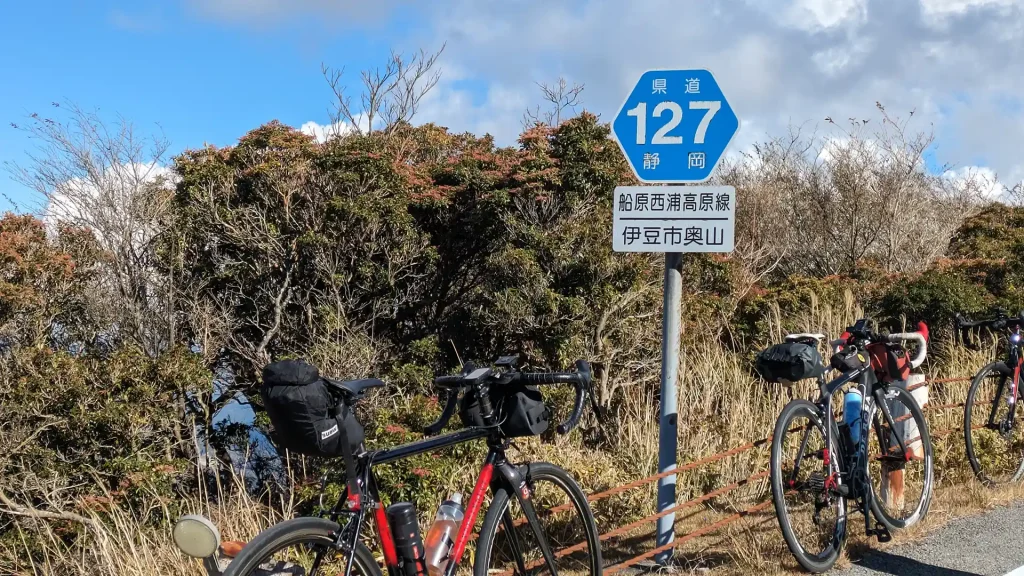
675,126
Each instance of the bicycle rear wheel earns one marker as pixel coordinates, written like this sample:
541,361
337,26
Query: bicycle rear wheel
901,483
811,513
995,449
507,544
300,546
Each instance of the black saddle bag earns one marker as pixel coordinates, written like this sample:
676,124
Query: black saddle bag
306,416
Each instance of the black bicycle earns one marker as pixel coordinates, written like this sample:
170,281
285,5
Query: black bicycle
538,519
995,443
820,461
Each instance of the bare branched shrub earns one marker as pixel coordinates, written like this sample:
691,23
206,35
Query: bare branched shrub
836,203
559,96
390,94
109,179
1014,195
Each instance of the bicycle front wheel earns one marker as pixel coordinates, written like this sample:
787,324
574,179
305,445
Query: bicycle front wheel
507,544
995,448
300,546
901,481
806,480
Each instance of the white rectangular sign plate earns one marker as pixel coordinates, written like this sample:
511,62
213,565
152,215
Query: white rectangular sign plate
674,219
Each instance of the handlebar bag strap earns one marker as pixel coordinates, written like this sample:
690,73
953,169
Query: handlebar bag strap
789,362
348,428
306,417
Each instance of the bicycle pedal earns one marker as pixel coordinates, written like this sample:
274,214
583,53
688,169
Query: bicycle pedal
881,532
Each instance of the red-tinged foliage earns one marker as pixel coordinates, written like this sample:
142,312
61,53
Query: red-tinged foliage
43,280
444,236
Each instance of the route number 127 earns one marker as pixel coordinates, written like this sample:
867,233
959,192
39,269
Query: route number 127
711,107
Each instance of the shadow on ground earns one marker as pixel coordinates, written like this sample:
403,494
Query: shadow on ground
886,563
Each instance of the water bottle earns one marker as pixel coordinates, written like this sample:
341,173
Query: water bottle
851,413
441,535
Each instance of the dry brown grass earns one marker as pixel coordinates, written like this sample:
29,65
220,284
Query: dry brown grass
122,541
721,406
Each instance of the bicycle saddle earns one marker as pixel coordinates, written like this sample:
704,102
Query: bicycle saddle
356,388
797,337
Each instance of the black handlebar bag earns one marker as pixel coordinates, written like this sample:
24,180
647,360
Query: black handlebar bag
307,417
519,408
789,362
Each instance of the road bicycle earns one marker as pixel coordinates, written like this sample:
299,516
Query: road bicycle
994,440
515,538
836,459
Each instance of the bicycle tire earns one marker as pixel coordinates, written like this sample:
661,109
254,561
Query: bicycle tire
823,561
533,472
921,510
290,533
972,453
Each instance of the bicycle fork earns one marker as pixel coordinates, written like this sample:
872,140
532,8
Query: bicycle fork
1007,425
518,485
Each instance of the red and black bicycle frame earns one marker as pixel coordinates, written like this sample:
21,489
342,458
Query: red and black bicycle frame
497,472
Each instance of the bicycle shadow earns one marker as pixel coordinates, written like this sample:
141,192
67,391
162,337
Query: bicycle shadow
886,563
687,561
709,552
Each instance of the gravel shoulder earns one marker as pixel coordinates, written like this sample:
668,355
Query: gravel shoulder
988,544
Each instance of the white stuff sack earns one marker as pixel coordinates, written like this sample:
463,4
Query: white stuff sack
910,433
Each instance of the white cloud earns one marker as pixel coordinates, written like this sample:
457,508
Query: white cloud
944,8
959,64
834,60
499,113
106,201
815,15
780,62
979,180
322,132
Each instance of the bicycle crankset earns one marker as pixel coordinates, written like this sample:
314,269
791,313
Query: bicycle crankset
881,532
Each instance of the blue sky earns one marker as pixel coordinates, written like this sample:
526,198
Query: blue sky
170,70
210,70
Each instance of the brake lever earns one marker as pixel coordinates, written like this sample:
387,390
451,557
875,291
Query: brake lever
584,369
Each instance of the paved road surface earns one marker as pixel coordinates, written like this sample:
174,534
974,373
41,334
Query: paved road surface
988,545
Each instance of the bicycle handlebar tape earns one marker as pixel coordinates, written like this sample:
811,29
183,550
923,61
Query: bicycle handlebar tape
408,542
446,415
577,411
921,337
540,377
450,380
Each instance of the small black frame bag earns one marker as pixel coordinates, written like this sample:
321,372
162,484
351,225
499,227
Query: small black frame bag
307,417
